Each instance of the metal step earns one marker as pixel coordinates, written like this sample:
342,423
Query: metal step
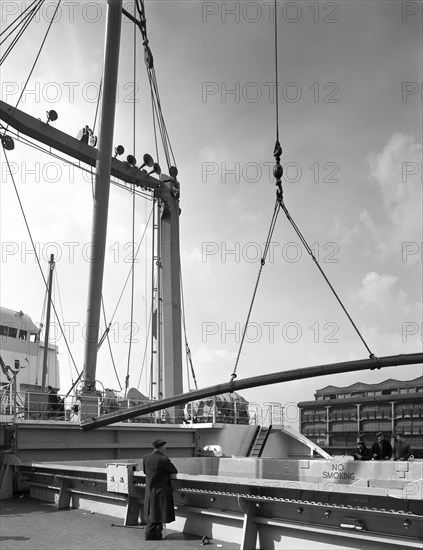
259,442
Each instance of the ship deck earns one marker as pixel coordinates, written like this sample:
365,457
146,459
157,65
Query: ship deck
28,524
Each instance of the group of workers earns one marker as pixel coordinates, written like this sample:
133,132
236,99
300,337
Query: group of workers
382,449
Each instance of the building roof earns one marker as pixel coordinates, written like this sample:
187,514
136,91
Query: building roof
386,384
398,398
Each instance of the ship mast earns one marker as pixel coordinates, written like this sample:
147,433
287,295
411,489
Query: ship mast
47,331
101,193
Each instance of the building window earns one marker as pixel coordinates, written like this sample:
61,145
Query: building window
329,396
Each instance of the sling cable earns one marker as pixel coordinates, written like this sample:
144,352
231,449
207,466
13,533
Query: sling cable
280,204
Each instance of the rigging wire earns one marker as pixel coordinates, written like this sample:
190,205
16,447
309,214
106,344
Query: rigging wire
262,264
151,73
106,332
129,274
190,365
22,21
36,254
43,312
310,251
57,289
278,173
155,293
131,322
35,62
106,335
146,346
18,21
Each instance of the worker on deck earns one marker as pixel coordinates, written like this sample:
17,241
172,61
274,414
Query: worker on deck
402,449
361,452
381,449
158,502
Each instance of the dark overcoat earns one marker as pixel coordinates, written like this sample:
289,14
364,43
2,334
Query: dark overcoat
158,503
385,449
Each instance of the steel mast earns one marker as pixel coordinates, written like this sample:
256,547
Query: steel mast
101,201
51,265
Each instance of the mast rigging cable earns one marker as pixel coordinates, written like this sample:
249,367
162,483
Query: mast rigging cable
280,204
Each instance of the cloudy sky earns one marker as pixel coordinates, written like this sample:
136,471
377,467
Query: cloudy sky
350,128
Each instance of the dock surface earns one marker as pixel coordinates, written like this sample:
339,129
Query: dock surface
28,524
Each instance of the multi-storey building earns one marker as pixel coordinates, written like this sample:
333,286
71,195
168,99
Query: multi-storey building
339,415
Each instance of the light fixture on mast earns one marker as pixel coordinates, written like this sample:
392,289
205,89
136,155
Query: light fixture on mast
52,116
119,150
7,142
156,169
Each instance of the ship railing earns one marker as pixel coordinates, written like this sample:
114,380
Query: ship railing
35,405
216,410
31,405
268,414
10,402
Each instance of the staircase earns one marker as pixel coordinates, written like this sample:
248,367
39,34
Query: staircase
259,441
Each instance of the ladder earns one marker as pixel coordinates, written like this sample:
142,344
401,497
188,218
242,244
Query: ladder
259,441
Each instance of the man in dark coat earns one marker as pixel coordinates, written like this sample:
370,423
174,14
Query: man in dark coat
381,449
158,503
361,452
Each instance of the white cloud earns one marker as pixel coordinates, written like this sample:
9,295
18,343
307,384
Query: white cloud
379,292
376,288
397,171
